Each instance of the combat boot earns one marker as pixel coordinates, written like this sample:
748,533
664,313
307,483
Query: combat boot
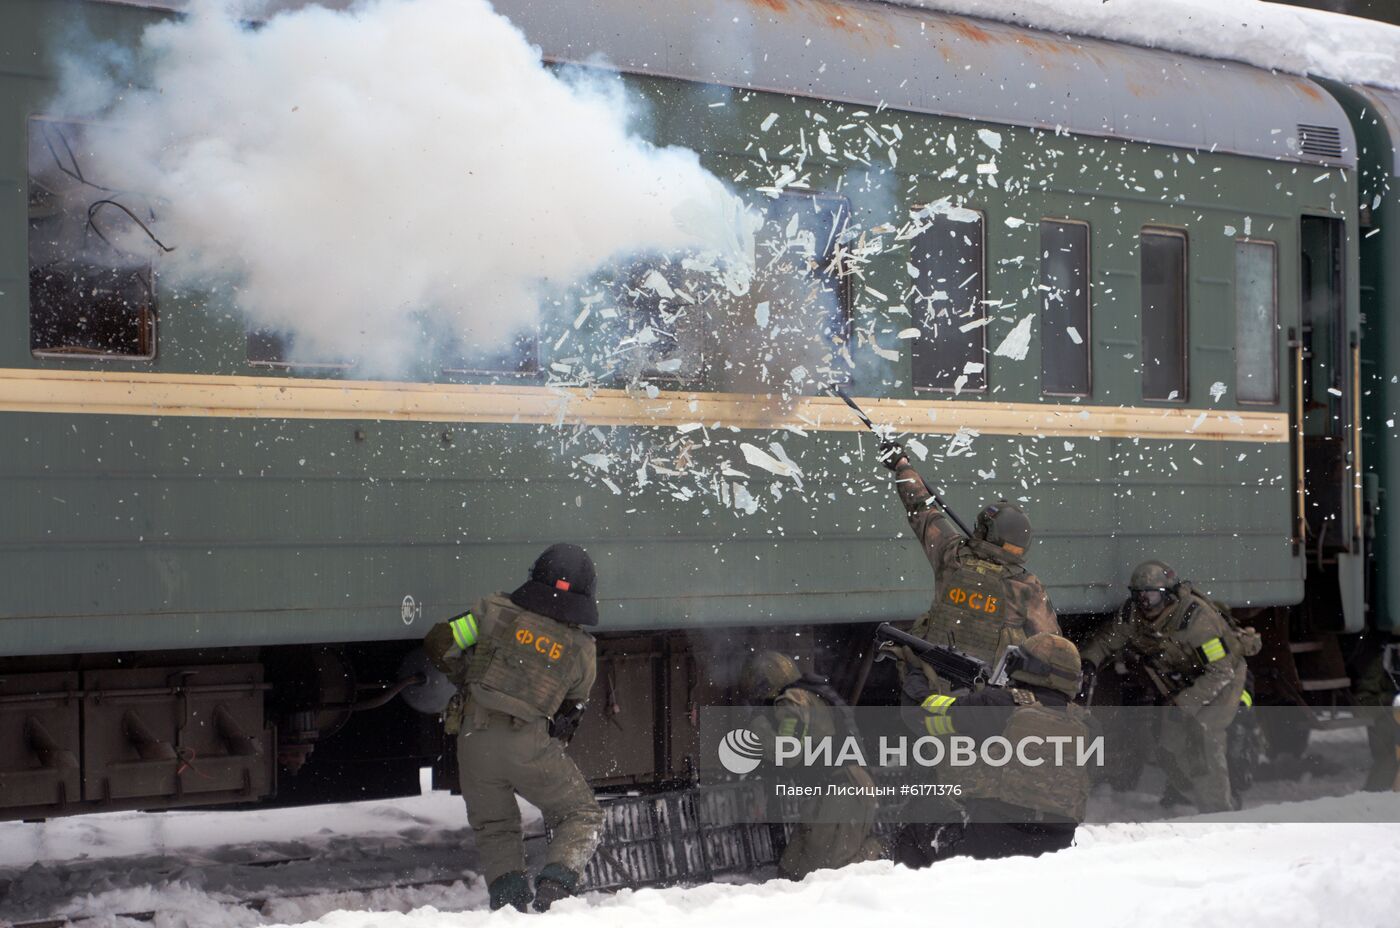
555,882
511,889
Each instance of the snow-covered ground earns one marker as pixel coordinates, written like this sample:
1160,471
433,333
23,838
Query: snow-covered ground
1317,862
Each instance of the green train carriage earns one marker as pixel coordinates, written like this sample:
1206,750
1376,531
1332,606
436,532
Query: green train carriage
215,559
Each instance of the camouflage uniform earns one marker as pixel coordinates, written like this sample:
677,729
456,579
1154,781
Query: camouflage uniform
516,673
1196,661
833,831
984,597
1015,809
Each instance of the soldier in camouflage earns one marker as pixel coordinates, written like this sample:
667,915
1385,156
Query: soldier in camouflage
833,830
524,667
984,597
1015,809
1195,659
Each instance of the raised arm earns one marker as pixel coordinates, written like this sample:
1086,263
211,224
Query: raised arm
930,525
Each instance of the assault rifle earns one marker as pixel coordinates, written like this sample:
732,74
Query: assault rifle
959,668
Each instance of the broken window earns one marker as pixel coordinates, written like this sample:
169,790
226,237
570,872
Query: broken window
1164,369
1064,308
801,233
91,280
947,300
519,356
654,322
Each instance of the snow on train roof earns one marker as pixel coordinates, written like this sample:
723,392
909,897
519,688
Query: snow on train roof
911,58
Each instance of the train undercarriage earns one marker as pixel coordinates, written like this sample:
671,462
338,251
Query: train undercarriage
305,724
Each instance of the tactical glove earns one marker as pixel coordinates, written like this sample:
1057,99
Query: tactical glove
891,453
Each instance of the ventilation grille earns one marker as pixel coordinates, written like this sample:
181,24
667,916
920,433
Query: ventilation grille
1323,141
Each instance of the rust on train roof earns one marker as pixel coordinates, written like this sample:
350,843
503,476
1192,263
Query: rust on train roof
916,59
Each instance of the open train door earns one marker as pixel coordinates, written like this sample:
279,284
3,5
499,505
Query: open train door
1329,515
1327,411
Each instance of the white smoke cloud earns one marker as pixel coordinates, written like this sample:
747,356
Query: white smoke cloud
361,175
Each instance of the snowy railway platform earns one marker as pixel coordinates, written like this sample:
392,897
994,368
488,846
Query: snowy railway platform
1283,861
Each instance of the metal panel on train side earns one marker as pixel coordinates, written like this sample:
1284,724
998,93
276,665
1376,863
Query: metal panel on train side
145,530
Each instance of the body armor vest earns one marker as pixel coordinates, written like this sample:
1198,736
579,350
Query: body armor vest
524,663
1053,789
1159,643
974,610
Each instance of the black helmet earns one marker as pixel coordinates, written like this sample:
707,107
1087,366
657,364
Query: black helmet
1151,585
1005,525
562,585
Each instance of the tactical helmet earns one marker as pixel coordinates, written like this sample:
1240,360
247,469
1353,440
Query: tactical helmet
1049,660
1151,585
562,585
765,674
1005,525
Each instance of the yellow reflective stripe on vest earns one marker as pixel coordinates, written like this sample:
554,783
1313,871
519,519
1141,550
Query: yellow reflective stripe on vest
938,705
938,725
464,630
1246,700
787,728
1213,650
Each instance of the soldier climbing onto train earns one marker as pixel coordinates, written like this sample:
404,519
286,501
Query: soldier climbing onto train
524,666
1193,656
985,598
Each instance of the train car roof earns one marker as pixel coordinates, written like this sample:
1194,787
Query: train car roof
905,58
1387,106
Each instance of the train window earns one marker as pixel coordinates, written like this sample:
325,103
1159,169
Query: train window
1164,369
520,356
1064,308
948,302
1256,324
653,325
91,280
803,229
267,348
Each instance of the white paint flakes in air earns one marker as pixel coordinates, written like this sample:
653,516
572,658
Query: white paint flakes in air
768,122
989,138
908,333
1074,335
1217,390
1014,222
743,499
757,457
919,448
600,461
760,314
657,283
1017,343
960,444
